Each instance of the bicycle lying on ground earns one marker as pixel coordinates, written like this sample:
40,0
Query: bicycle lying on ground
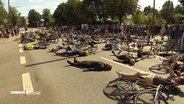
158,95
163,68
124,90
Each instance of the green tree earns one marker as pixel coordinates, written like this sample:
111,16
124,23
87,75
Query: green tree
110,8
181,1
96,8
179,14
3,13
139,17
122,8
34,18
15,15
74,11
168,11
148,10
179,9
178,18
46,17
60,14
85,15
69,13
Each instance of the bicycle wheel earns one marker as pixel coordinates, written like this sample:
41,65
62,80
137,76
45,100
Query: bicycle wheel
112,92
147,97
159,68
118,90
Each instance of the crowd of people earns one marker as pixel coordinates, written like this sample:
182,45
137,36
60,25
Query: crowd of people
7,32
174,33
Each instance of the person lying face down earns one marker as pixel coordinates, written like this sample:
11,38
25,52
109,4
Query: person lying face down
125,58
57,48
74,53
91,65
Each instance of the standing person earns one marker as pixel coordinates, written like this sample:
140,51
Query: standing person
106,28
26,29
169,31
91,65
15,31
12,32
18,30
148,33
162,31
140,47
121,28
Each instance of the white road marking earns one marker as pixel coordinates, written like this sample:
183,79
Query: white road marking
20,45
21,50
22,60
27,84
126,66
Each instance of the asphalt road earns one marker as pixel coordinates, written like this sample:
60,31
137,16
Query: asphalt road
55,81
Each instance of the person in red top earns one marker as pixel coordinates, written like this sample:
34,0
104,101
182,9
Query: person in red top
5,34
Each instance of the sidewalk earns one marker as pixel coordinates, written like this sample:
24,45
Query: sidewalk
15,38
4,40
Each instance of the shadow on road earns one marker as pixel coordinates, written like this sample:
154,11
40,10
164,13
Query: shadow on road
45,62
125,102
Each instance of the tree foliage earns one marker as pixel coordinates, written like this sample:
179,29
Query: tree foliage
168,11
179,9
15,16
61,14
139,17
3,13
46,16
85,11
181,1
34,18
96,8
149,9
121,8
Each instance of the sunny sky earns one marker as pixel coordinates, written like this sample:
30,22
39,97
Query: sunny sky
24,6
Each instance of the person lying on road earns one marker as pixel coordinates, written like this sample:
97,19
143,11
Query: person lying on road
152,79
91,65
74,53
33,46
125,58
56,48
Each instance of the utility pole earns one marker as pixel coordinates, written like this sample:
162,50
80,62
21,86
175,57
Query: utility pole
153,12
10,21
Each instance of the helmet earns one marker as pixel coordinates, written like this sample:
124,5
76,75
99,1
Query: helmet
86,53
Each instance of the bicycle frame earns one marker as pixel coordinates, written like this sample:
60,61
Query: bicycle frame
157,91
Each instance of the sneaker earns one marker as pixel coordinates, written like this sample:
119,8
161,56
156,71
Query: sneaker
69,62
113,52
